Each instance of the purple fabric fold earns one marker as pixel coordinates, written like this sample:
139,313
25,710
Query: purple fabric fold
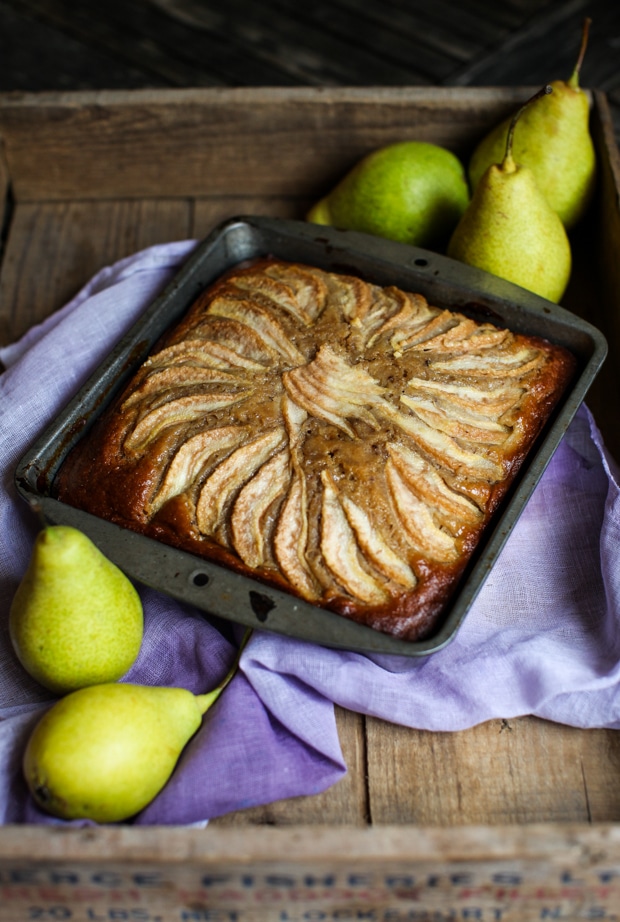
542,637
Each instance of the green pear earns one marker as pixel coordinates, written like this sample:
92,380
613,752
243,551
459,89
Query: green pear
511,231
412,192
75,619
554,141
104,752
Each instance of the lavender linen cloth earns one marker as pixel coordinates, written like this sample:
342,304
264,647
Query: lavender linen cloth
542,637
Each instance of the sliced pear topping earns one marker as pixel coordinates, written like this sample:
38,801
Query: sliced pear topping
261,321
375,547
252,503
262,287
238,337
205,353
340,551
466,336
417,520
177,376
294,418
514,363
290,540
304,392
331,389
230,475
351,296
445,449
413,312
483,400
177,412
383,303
191,459
439,322
334,370
308,286
426,431
372,314
456,421
430,487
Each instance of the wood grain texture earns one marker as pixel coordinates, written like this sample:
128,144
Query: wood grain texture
52,250
502,772
273,142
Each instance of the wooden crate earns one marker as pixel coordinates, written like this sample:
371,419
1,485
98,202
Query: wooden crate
511,820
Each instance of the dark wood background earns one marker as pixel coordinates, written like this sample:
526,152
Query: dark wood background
124,44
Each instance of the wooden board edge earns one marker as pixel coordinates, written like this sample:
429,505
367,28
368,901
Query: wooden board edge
112,144
338,845
604,128
174,96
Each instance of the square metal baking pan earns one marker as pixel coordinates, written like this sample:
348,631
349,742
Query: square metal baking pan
217,590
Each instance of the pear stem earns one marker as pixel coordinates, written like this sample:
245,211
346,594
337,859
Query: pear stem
574,79
205,701
508,163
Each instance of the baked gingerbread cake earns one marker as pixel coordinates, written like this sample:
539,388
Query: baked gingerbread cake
345,442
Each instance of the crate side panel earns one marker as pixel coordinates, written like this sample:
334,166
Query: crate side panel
297,874
53,249
215,142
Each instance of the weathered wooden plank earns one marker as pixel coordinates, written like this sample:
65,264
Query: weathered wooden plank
501,772
52,250
280,142
294,874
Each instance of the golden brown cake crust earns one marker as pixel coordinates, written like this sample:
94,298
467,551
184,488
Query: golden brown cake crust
345,442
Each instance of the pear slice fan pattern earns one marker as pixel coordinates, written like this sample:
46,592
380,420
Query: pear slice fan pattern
341,440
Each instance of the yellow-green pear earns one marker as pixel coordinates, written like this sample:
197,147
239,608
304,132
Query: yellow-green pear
104,752
76,619
511,231
554,141
412,192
